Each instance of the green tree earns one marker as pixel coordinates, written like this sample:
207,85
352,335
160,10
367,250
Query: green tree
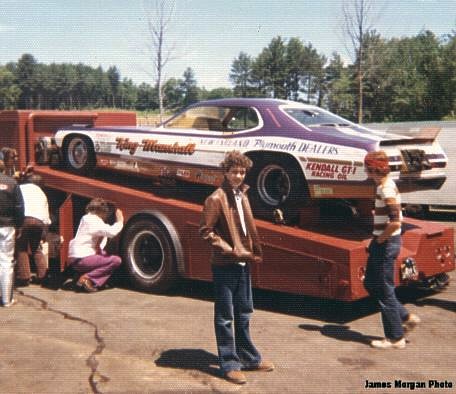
25,73
241,75
172,94
9,90
188,88
147,97
219,93
338,88
128,94
114,82
449,73
276,67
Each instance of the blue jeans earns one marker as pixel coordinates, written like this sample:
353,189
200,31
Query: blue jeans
233,301
379,283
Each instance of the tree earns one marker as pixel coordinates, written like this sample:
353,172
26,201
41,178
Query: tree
241,74
449,72
147,97
276,67
9,90
338,87
114,81
188,88
159,22
219,93
295,60
27,79
358,22
173,94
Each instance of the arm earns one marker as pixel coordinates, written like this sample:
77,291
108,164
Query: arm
103,229
18,206
394,224
209,219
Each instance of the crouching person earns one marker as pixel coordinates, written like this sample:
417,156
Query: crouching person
32,232
11,217
227,224
86,254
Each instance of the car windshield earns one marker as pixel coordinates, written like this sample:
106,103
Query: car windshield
314,117
213,118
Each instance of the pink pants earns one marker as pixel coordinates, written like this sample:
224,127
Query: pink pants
98,267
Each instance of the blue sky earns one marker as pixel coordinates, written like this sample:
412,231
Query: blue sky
206,34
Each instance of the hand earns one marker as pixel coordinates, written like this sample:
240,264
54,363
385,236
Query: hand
257,259
380,240
119,215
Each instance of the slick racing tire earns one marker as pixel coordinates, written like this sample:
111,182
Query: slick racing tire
276,183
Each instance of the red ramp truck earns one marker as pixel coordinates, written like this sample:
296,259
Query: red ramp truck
325,256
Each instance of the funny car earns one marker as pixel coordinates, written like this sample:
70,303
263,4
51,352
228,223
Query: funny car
299,152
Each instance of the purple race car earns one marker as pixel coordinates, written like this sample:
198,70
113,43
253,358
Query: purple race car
299,151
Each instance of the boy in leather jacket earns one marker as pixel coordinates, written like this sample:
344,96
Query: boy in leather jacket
227,224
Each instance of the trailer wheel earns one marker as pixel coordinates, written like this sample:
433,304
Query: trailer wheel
148,256
79,154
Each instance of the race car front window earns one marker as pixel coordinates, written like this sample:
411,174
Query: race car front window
315,117
215,119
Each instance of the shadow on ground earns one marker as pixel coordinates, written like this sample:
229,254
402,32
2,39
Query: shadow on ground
190,359
339,332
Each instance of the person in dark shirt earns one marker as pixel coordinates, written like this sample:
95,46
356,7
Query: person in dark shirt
11,216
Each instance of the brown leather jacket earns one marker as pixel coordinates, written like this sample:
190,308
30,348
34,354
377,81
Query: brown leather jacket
221,227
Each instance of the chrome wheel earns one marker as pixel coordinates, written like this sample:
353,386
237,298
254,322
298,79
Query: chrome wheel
146,255
78,153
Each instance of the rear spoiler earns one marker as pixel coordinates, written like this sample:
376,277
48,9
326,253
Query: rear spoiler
422,134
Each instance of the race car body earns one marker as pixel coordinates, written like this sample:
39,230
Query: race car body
299,151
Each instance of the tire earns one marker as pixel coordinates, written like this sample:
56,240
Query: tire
148,256
79,154
277,183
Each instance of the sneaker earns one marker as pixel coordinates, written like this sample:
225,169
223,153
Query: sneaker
86,284
387,344
9,304
236,377
412,321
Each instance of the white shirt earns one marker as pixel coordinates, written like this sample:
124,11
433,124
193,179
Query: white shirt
238,199
91,229
35,202
387,190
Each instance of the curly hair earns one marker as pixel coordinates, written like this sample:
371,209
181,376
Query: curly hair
377,161
98,206
9,153
235,159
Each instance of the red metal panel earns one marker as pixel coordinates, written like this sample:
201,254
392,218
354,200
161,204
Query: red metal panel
66,228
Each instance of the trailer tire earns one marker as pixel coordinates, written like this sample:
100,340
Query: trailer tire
148,256
79,154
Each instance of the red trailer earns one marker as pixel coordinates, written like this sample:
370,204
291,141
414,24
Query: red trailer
323,256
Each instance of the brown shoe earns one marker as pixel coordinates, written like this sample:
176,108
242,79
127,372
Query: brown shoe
86,284
235,377
264,366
